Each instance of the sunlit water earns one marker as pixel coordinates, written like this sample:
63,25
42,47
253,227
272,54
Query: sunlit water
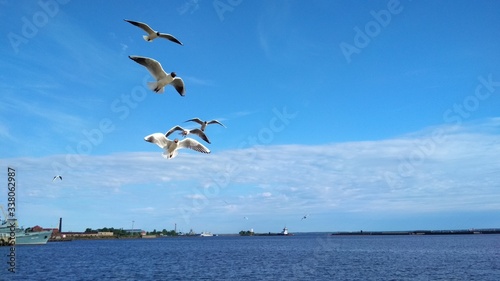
299,257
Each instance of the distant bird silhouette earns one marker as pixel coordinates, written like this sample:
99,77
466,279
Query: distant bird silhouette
205,123
153,34
162,78
245,218
304,217
186,132
170,148
57,177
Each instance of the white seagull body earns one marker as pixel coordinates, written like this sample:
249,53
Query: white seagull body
57,177
205,123
153,34
162,78
185,132
171,147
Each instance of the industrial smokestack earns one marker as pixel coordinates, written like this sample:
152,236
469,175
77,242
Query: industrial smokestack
60,225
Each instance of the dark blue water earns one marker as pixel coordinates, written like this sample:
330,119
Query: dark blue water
299,257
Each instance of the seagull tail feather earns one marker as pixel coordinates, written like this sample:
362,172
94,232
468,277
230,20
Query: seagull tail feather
153,86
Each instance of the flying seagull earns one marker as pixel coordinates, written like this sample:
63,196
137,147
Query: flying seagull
162,78
304,217
152,34
186,132
57,177
205,123
170,148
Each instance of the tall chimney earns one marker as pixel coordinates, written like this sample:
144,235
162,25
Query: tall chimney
60,225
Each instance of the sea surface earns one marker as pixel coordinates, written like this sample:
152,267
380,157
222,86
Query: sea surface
298,257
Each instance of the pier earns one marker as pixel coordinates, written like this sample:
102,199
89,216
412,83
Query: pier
422,232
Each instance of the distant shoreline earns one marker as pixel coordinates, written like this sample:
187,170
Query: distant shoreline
337,233
420,232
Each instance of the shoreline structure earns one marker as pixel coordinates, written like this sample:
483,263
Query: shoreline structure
421,232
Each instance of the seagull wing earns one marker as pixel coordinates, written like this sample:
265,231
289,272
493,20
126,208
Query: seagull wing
193,144
170,37
153,66
197,120
158,139
216,122
179,86
142,25
176,128
200,134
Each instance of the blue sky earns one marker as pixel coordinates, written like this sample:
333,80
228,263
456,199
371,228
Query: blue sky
376,115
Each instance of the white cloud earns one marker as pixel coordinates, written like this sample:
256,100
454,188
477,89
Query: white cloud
266,194
459,173
195,196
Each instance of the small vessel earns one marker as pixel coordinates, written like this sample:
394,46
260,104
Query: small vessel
285,232
206,234
23,236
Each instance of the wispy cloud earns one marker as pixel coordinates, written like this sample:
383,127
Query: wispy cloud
4,133
460,174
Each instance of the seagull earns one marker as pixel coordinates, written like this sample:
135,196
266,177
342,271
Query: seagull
171,147
205,123
304,217
186,132
152,34
57,177
245,218
162,78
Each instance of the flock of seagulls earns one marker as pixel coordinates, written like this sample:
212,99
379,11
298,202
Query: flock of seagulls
163,79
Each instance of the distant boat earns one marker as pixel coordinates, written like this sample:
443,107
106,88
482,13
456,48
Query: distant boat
285,232
23,237
206,234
